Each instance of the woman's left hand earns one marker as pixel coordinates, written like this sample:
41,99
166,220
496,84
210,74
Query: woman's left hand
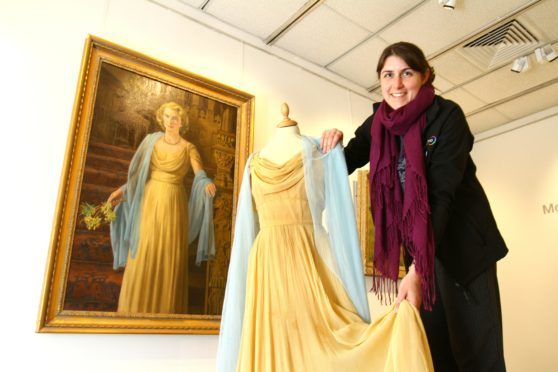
409,289
330,138
211,189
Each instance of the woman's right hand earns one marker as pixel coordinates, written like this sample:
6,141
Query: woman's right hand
410,289
211,189
116,197
330,138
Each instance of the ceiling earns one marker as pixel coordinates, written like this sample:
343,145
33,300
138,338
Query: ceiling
344,38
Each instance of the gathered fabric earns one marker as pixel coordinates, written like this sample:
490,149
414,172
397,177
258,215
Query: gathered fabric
401,217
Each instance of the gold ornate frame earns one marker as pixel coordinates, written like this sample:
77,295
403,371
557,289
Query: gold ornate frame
229,149
365,225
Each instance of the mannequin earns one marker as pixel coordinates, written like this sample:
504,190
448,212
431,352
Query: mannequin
295,297
286,143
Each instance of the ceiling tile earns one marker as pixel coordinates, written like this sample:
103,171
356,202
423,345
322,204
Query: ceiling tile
454,67
322,35
441,84
194,3
504,83
527,104
257,17
372,15
486,120
359,65
466,100
541,19
449,26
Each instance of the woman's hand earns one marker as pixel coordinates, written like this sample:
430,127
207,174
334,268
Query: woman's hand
211,189
116,197
409,289
330,138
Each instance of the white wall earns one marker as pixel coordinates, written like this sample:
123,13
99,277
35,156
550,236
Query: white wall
518,168
41,44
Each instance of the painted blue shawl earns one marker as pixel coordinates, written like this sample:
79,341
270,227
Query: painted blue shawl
327,189
124,230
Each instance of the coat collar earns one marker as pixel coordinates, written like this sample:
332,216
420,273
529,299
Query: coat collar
432,112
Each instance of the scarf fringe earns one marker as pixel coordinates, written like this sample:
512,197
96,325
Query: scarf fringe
384,288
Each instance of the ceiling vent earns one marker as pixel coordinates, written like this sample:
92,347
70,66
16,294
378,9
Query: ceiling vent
501,45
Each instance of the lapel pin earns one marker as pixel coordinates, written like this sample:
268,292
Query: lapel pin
431,141
430,144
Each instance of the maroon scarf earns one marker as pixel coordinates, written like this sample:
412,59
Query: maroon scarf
401,217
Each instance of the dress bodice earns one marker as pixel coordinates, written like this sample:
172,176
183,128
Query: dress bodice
172,166
279,192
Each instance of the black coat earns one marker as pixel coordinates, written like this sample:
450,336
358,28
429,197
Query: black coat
467,239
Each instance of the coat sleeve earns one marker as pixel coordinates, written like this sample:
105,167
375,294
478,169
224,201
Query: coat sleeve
446,167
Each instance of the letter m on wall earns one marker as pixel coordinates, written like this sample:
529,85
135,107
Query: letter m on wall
550,209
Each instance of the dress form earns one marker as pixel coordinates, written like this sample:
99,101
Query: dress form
285,144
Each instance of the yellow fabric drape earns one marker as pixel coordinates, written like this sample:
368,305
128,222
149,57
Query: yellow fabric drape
298,316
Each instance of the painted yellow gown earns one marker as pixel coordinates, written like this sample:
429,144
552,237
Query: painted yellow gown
156,280
297,315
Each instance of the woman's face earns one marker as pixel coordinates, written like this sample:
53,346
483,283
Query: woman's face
400,84
171,120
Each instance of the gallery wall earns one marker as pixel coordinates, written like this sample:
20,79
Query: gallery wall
42,47
518,166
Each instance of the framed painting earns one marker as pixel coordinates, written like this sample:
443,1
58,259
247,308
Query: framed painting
365,224
125,107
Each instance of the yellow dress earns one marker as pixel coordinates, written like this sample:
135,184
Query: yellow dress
297,316
156,280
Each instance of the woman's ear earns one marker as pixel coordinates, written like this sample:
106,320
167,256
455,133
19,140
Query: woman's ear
426,76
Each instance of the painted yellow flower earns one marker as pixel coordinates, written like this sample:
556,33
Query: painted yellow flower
95,215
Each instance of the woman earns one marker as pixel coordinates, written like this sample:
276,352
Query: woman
425,195
155,224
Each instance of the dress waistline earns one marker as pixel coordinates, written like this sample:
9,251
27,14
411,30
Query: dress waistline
280,223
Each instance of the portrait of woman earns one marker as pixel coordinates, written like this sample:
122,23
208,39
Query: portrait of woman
156,220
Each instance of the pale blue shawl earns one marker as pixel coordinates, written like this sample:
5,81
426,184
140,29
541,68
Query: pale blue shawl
327,189
124,230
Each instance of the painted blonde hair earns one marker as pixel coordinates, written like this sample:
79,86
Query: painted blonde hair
176,107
